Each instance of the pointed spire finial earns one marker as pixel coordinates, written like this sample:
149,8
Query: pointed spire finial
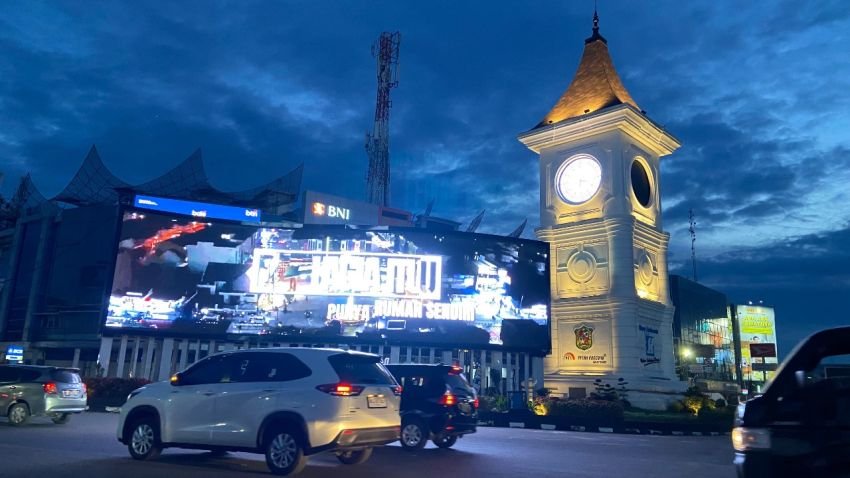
596,35
595,20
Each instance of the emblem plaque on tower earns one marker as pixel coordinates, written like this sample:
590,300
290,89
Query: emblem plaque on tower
584,337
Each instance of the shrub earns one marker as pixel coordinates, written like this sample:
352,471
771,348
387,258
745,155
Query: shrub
112,390
693,404
493,403
694,391
543,392
676,407
587,410
603,391
540,405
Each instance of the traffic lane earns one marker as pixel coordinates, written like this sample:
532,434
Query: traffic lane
88,446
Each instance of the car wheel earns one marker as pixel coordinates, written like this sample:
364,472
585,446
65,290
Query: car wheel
444,441
354,457
144,441
61,418
413,434
18,415
284,453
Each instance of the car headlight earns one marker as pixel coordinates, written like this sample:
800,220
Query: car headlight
745,439
134,393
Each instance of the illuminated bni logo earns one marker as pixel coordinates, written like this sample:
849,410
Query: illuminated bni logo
320,209
569,356
376,275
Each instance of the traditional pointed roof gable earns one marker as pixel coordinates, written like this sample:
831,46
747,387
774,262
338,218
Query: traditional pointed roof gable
29,200
95,184
189,176
275,194
92,184
595,86
289,183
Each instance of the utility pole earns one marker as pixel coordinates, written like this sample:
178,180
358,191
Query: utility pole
693,230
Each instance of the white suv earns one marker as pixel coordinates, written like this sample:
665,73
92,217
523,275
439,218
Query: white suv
287,403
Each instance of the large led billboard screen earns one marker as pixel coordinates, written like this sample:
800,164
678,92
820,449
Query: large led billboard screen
199,277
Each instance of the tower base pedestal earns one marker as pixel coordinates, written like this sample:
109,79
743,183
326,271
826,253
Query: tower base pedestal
642,392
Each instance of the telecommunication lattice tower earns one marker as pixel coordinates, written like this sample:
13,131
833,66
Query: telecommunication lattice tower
385,49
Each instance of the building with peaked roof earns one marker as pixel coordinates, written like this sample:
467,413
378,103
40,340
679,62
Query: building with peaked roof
95,184
205,265
46,244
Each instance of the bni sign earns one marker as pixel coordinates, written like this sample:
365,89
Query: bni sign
15,353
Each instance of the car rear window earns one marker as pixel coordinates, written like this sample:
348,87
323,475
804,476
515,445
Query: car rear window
65,376
360,369
458,382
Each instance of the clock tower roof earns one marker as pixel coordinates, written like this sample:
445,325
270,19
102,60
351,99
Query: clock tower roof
595,85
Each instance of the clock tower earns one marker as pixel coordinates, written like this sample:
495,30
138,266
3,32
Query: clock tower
600,211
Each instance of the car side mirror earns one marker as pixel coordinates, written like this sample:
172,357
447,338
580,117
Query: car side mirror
800,378
176,379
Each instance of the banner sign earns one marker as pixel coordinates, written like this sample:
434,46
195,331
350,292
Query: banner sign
15,353
757,326
197,209
762,350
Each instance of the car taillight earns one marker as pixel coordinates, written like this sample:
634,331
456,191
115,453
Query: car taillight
475,402
50,388
341,389
397,390
448,399
84,388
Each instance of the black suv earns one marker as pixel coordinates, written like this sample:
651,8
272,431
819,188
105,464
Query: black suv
437,403
800,425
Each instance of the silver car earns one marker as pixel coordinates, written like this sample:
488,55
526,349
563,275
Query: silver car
29,390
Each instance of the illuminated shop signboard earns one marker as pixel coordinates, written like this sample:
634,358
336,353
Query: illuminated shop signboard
320,208
329,210
197,209
321,283
15,353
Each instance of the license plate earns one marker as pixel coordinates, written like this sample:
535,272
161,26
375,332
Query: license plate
376,401
69,393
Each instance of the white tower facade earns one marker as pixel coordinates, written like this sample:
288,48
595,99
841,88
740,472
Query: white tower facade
600,210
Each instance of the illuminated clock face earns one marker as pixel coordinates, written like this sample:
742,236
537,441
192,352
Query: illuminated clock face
579,179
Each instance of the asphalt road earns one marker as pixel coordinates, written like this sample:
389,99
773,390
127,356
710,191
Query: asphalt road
86,447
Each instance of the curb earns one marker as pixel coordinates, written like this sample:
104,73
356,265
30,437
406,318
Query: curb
597,429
